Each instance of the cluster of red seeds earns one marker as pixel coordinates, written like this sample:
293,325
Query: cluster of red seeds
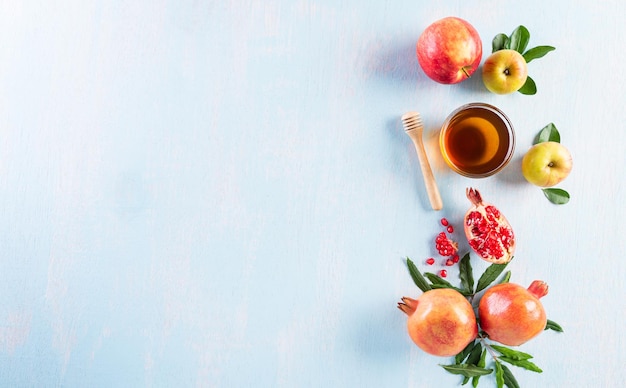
487,243
446,248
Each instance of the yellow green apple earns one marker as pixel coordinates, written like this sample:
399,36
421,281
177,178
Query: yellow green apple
546,164
504,72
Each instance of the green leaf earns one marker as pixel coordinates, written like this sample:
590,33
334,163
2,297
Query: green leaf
490,274
556,196
418,279
481,363
448,286
465,273
483,359
466,380
438,282
509,379
551,325
526,364
459,358
519,39
499,42
548,133
537,52
474,356
512,354
466,370
529,88
434,279
499,375
506,278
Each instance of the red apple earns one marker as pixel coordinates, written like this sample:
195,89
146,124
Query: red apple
449,50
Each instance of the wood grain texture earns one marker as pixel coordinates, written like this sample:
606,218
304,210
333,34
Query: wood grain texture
413,126
220,194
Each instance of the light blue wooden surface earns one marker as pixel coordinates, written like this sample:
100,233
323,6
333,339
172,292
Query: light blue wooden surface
220,193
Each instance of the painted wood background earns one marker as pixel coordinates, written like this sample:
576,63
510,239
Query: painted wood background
220,193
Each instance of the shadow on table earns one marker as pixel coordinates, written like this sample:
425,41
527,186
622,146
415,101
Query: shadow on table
512,173
397,62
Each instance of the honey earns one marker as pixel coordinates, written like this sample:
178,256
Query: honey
477,140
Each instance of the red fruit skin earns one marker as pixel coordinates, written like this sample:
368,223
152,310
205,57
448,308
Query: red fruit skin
449,50
511,314
441,321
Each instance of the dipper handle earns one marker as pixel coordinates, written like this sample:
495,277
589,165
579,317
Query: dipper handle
412,123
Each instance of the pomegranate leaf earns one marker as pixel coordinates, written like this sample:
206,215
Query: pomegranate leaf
513,354
459,358
490,274
526,364
481,363
499,375
500,42
465,273
519,39
551,325
474,356
418,279
509,379
537,52
473,359
466,370
506,278
548,133
438,282
556,196
529,88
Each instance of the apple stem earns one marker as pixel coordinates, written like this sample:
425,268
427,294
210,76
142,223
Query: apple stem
465,71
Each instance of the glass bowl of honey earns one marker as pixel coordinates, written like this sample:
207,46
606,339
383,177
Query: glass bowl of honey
477,140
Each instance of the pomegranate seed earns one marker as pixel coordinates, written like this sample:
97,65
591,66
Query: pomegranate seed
449,262
445,246
450,229
430,261
455,258
444,222
488,232
443,273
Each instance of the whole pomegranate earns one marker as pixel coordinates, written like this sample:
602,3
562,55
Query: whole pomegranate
441,321
511,314
488,231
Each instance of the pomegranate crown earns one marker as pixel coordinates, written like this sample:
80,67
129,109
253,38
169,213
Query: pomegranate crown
538,288
473,195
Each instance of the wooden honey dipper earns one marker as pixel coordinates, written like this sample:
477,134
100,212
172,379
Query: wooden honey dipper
412,123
